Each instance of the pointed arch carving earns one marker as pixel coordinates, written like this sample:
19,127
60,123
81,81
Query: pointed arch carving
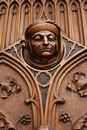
76,21
28,98
50,9
45,96
62,18
63,103
85,10
25,17
37,9
3,23
13,24
84,16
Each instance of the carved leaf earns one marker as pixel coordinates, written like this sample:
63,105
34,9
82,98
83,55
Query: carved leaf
8,86
78,84
1,124
80,123
6,123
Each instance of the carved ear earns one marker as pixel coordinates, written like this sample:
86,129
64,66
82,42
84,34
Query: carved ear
23,41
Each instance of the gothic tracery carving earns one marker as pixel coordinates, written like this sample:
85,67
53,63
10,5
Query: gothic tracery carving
3,12
37,10
76,21
54,10
25,17
62,16
50,10
13,21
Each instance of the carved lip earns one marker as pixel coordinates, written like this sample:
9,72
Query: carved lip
46,49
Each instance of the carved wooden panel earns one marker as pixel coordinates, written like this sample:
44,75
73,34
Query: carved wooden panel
32,97
19,95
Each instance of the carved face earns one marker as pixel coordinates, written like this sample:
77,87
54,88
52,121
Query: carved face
44,44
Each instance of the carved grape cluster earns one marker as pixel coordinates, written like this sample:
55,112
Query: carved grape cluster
25,120
64,117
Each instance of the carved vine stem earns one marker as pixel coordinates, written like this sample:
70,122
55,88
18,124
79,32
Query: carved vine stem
31,100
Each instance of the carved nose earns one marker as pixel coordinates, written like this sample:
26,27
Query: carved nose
45,40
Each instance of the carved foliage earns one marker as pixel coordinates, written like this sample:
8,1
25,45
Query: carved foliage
80,123
64,117
6,123
78,84
25,120
8,86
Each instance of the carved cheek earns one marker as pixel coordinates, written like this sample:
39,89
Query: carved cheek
54,45
36,48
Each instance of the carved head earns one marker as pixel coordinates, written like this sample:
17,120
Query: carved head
43,42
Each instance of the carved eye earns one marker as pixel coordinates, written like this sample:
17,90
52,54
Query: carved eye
38,38
51,38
